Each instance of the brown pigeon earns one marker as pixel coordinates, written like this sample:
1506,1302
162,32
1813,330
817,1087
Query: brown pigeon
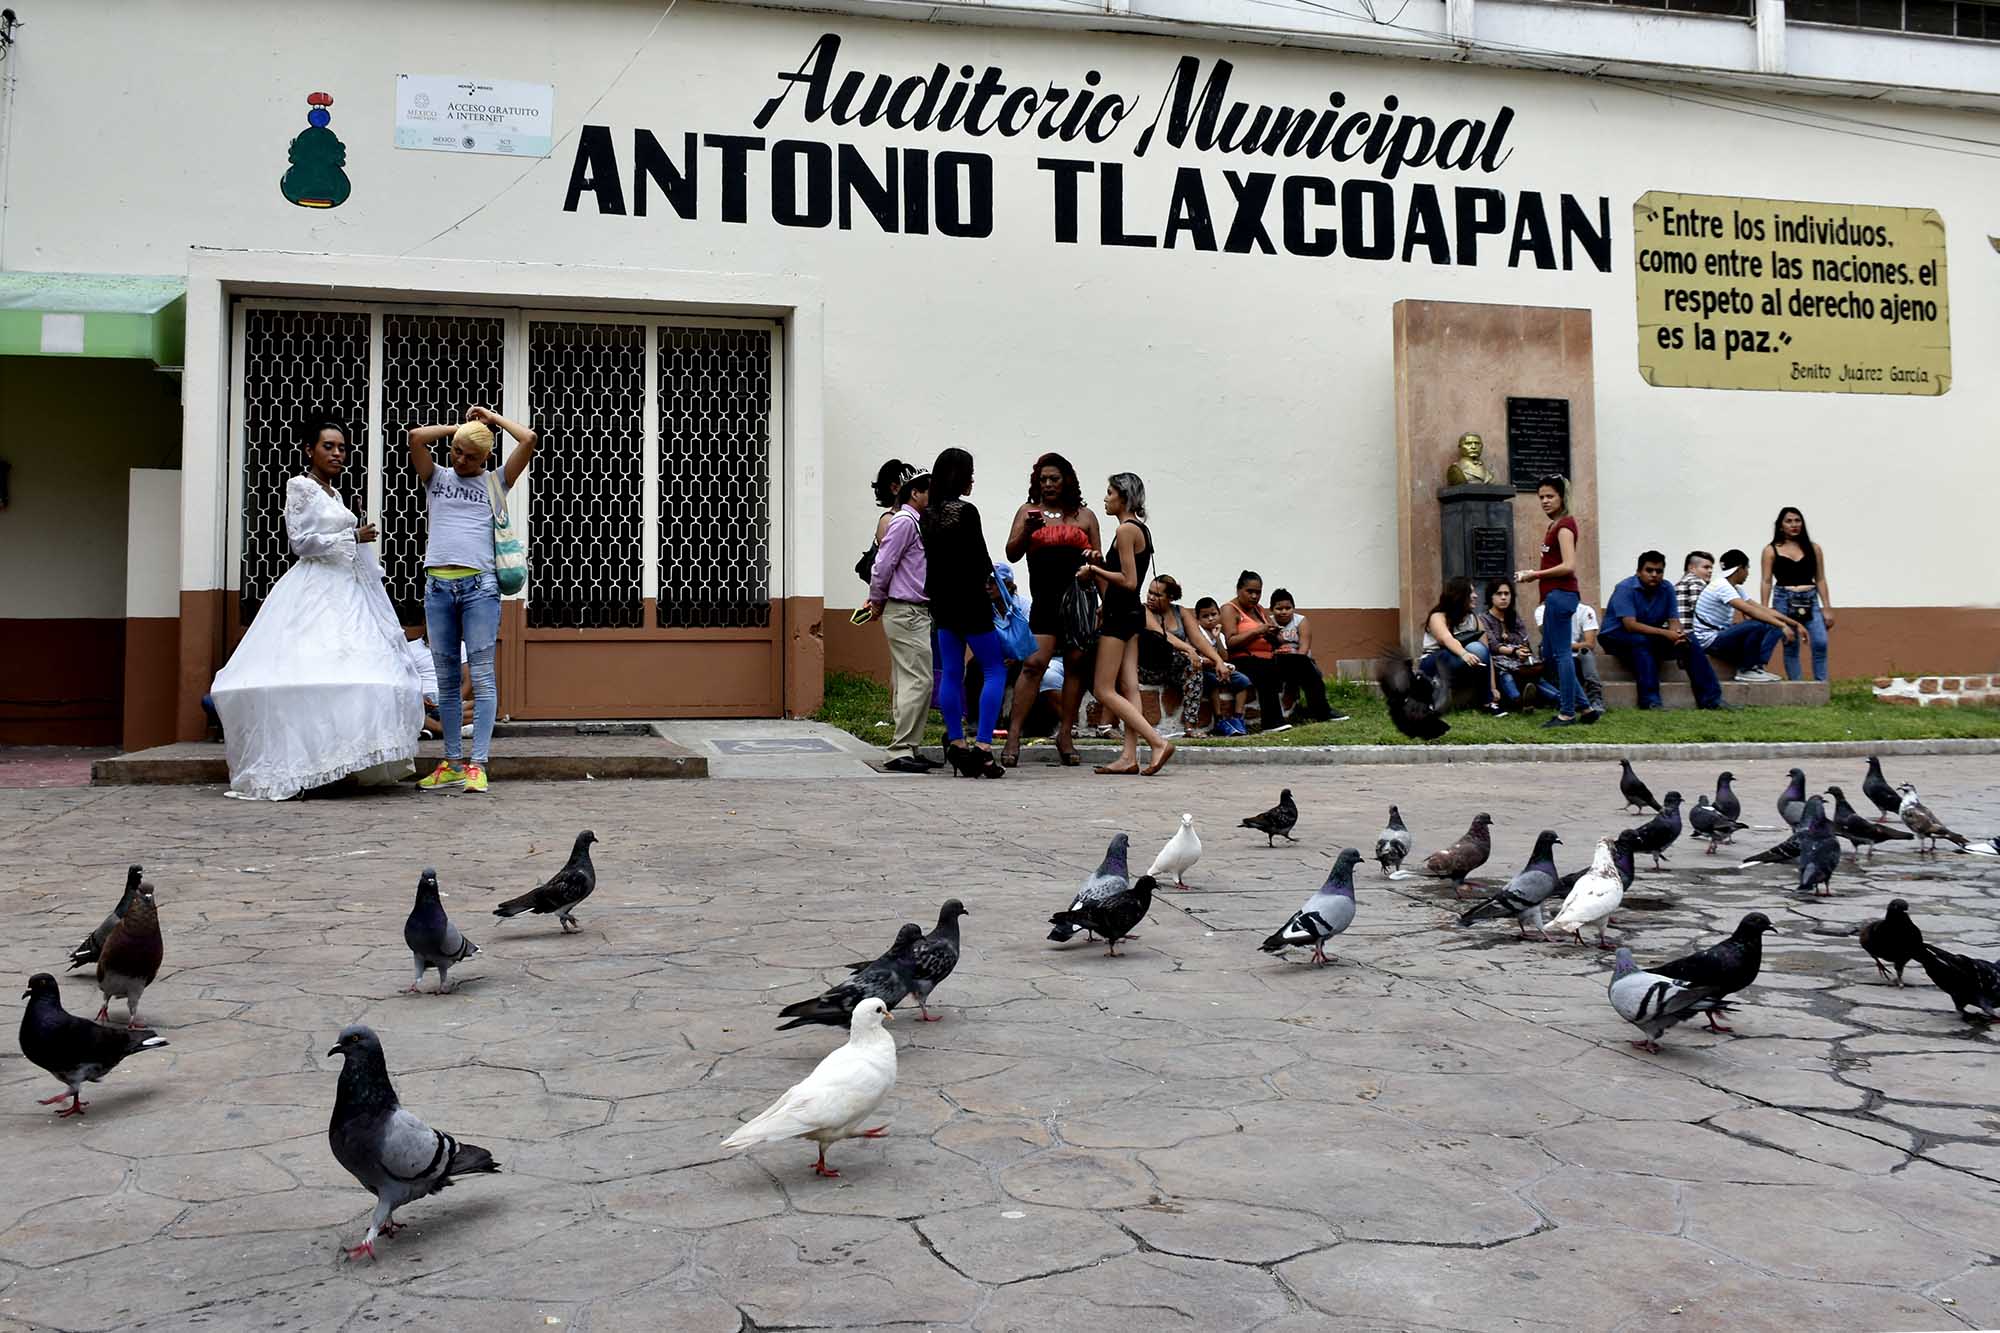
131,957
1464,856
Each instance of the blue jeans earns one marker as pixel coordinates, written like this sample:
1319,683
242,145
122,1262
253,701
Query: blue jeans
1509,688
465,611
1444,666
989,651
1815,631
1642,654
1747,644
1558,613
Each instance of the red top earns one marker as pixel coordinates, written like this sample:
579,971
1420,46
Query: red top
1257,647
1552,556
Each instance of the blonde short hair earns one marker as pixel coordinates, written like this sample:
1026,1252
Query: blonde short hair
475,437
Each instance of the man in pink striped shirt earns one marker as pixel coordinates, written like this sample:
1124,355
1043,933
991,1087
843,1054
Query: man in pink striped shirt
896,595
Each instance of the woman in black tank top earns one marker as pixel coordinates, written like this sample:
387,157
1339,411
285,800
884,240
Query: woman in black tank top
1795,586
1122,572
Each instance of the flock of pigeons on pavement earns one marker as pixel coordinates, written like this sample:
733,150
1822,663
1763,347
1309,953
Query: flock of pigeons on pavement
399,1158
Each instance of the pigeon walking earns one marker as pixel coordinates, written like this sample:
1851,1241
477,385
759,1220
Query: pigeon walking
131,957
1918,819
1784,854
1725,797
1277,822
433,940
1179,855
1112,917
1638,797
1653,1003
1886,799
1110,877
76,1050
1593,900
1848,823
1709,823
1792,801
1972,983
934,957
1660,832
1725,967
1328,912
1621,861
93,943
564,889
391,1152
1819,850
1392,844
843,1090
1464,856
1413,708
1894,939
887,978
1524,895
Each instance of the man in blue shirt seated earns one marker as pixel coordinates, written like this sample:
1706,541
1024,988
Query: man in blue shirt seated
1641,630
1746,643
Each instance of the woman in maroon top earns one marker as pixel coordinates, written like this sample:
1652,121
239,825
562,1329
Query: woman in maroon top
1056,531
1560,590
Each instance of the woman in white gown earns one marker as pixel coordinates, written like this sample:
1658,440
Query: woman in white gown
321,686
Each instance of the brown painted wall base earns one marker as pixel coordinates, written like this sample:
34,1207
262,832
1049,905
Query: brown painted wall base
152,678
61,682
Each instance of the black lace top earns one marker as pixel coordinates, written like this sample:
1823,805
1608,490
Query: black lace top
955,550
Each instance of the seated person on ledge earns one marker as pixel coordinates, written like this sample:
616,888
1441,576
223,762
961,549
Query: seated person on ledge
1451,641
1733,629
1295,639
1224,682
1641,630
1583,650
1697,572
1507,652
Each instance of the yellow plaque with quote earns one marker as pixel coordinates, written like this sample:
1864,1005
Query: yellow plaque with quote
1783,294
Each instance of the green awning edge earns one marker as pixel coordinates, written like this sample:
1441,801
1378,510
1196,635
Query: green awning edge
123,315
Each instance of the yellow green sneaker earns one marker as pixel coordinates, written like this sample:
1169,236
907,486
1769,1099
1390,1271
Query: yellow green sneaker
475,777
447,774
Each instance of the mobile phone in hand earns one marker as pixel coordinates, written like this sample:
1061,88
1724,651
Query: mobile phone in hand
862,615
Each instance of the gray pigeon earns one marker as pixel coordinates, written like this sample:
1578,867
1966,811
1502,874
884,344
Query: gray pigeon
397,1156
1972,983
1113,917
566,888
934,957
76,1050
1792,801
1886,799
1277,822
1327,913
93,943
1660,832
433,940
1653,1003
1393,843
1709,823
887,979
1524,895
1725,796
1111,877
1819,850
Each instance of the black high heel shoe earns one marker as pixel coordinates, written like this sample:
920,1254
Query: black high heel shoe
965,761
989,766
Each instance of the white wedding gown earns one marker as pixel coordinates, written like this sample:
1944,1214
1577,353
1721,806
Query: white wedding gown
320,687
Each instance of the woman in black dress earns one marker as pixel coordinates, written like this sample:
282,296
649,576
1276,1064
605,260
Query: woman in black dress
962,612
1056,530
1122,572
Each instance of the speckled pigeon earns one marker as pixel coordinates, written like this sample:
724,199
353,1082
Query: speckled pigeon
1918,819
934,957
1393,843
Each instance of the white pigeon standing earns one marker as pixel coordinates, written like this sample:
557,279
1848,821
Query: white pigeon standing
1179,855
1593,899
844,1089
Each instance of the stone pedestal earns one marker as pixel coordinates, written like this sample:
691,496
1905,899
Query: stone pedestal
1476,535
1457,364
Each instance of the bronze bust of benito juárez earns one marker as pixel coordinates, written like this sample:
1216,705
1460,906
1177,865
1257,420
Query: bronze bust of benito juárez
1470,469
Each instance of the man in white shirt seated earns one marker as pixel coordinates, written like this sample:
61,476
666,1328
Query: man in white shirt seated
1731,628
1583,647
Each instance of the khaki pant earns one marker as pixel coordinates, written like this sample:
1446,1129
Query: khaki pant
907,626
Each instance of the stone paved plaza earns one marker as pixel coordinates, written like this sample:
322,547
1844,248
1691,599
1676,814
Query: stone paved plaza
1446,1129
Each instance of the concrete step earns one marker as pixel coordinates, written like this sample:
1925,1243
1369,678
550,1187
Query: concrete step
565,755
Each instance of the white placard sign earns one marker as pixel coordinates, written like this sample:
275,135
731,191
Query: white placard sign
448,113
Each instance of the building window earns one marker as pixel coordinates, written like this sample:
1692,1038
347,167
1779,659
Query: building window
1940,18
1741,9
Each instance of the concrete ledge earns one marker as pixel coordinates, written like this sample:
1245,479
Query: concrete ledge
542,755
1199,755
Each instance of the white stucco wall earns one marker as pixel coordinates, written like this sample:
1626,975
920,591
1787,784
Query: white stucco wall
1254,392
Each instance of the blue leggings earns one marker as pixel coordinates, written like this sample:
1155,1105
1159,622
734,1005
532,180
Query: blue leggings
989,650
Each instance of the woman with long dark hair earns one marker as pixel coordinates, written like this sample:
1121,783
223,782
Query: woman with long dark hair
1122,572
1452,641
1508,656
1056,530
1795,586
1561,595
956,577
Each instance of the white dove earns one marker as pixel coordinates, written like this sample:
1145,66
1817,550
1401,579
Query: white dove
1179,855
1594,898
844,1089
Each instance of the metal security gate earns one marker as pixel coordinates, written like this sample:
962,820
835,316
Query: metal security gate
649,509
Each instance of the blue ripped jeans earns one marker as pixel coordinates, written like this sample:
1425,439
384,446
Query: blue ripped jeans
464,611
1814,630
